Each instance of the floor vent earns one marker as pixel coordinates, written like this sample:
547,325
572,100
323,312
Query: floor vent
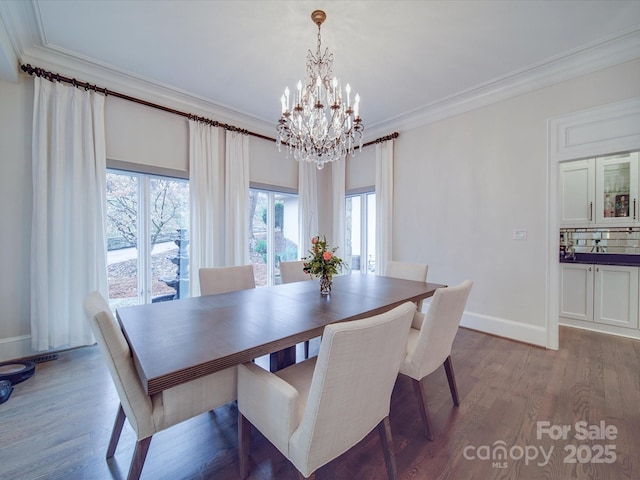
43,358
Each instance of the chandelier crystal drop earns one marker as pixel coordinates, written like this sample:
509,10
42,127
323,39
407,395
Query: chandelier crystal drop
319,124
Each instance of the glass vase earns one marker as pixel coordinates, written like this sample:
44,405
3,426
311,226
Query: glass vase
325,284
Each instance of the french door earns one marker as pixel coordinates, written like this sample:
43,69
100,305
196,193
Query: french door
147,238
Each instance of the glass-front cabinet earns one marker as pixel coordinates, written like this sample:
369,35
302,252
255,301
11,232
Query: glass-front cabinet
617,189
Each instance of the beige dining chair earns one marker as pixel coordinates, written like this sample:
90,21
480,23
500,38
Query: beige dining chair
146,414
430,341
408,271
226,279
318,409
291,272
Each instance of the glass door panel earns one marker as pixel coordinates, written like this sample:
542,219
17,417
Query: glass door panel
353,218
360,218
122,239
169,238
273,233
258,235
286,232
617,189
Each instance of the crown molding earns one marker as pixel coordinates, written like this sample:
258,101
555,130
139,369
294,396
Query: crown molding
88,70
614,50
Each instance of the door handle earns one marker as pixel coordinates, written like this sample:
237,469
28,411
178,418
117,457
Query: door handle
590,211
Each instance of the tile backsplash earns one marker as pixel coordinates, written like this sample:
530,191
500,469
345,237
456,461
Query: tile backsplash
604,240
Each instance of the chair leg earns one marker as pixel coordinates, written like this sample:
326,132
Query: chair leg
244,444
306,349
448,367
421,397
384,430
139,455
115,433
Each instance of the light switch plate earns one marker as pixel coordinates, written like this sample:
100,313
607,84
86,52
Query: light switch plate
520,234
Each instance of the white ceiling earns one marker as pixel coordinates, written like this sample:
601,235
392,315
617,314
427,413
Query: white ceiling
405,58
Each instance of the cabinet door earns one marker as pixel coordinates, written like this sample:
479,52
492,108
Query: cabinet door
576,291
617,190
616,296
577,192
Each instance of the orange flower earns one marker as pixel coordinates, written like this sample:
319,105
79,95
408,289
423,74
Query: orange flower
314,240
327,256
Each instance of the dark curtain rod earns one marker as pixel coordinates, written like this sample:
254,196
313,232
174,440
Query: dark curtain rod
39,72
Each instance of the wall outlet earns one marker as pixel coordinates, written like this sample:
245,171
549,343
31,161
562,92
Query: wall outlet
520,234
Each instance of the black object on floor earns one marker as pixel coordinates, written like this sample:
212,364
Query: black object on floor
5,390
17,371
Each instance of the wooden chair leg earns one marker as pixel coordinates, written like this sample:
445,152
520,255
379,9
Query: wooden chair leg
244,444
139,456
448,367
421,397
306,349
384,430
115,433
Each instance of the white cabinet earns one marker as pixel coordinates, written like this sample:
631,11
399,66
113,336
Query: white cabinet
577,192
600,191
617,190
601,294
615,295
576,291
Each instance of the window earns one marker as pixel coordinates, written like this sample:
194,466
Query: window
361,232
155,208
273,233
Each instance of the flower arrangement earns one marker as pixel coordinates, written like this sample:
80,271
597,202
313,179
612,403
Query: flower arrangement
322,262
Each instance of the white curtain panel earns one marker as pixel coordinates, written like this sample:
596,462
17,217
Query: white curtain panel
338,181
206,193
307,205
68,243
384,204
237,199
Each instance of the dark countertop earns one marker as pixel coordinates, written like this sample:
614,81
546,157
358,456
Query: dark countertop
628,260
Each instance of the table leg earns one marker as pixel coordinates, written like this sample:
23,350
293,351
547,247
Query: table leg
282,359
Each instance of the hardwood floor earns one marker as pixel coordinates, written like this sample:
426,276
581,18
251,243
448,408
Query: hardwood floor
57,424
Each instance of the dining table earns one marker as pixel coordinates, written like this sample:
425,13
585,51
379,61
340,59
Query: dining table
177,341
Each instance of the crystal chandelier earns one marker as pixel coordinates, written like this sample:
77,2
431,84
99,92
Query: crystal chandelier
316,124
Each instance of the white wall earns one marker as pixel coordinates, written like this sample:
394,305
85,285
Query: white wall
16,100
462,185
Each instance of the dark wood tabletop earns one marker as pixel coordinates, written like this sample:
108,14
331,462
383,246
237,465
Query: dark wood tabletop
177,341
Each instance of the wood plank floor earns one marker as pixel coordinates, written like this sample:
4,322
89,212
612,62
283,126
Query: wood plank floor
57,424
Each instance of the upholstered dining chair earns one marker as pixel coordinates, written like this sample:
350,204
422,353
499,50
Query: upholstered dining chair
408,271
430,341
226,279
316,410
291,272
146,414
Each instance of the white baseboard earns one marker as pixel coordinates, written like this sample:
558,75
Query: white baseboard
503,327
15,347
